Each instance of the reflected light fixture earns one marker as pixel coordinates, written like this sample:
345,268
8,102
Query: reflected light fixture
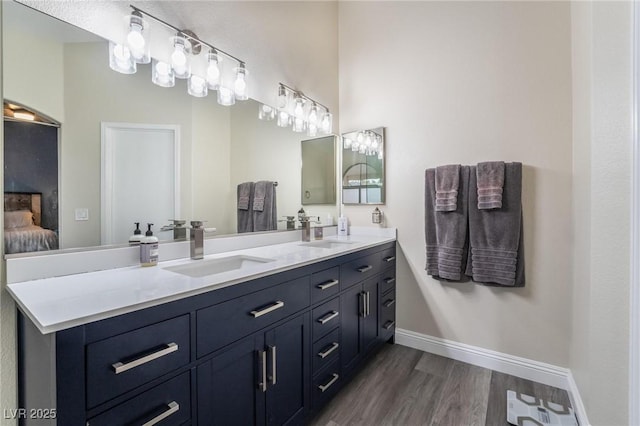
316,119
179,59
266,112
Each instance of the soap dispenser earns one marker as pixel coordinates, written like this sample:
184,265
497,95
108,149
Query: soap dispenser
149,248
134,240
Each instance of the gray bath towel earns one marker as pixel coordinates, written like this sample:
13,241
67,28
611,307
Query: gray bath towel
490,177
496,254
265,217
245,214
446,233
447,182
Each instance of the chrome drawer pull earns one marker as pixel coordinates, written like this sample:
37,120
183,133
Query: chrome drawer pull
389,259
389,302
263,384
119,367
274,364
174,407
390,280
328,352
327,284
387,325
276,305
365,268
328,385
329,317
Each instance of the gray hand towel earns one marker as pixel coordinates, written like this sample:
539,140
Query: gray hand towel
265,218
245,215
490,177
447,181
446,234
495,236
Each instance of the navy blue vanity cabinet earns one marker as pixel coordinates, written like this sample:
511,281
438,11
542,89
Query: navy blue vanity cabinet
259,380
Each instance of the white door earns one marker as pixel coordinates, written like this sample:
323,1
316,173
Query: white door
140,179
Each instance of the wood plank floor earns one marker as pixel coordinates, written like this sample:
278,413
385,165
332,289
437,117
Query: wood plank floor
404,386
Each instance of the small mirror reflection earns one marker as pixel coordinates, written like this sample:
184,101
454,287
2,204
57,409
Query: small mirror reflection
363,167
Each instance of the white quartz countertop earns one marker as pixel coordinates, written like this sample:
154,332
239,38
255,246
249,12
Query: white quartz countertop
55,304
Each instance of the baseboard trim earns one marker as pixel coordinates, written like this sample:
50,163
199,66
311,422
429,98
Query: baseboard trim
516,366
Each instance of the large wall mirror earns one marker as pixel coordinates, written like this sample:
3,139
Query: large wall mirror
62,72
363,167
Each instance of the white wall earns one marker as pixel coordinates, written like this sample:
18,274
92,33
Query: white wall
602,176
464,82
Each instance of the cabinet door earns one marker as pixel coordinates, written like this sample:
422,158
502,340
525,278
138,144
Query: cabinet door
351,308
229,385
369,329
288,362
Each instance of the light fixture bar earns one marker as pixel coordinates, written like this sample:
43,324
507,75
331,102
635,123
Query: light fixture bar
186,34
302,95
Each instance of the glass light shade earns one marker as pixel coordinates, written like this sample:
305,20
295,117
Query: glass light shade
313,115
299,125
326,125
226,96
312,129
362,149
355,146
213,70
298,107
282,97
284,119
265,112
375,142
360,137
162,74
380,155
120,59
180,61
240,84
197,86
368,141
346,143
137,35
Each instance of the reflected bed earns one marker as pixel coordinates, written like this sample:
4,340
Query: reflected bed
22,220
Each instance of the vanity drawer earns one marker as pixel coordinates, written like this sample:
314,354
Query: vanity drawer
387,280
359,269
325,284
166,404
388,314
326,384
227,322
325,318
388,258
326,350
121,363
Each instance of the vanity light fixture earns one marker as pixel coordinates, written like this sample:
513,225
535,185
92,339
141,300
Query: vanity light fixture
366,142
181,59
301,112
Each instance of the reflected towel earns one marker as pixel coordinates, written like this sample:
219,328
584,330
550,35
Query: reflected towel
447,181
446,234
490,178
495,236
265,216
245,215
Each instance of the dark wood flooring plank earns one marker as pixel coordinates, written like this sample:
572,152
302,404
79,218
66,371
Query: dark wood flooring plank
464,397
436,365
415,402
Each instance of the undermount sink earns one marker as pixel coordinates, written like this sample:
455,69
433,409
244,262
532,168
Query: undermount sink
327,244
202,268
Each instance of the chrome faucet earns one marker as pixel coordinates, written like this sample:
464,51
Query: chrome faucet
196,237
179,230
305,221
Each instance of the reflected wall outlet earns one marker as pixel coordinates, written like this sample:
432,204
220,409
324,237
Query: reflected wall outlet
82,213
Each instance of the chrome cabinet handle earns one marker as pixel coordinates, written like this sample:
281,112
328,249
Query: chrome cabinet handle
390,280
119,367
328,352
387,325
389,302
389,259
276,305
365,268
174,407
273,364
329,317
327,284
328,385
367,307
363,312
263,384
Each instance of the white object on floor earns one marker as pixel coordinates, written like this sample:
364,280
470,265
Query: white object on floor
526,410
